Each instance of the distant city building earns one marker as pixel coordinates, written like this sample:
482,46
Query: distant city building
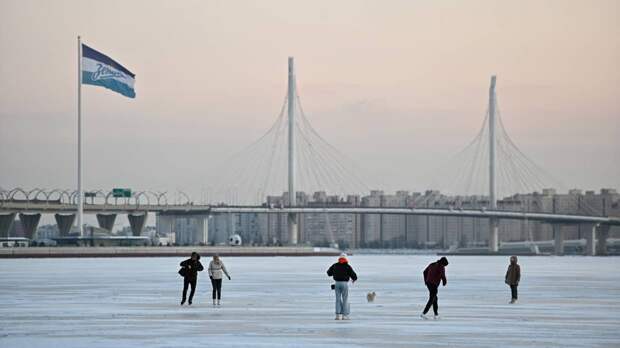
47,232
395,231
383,230
187,230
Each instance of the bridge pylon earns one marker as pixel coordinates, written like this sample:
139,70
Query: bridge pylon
293,225
493,223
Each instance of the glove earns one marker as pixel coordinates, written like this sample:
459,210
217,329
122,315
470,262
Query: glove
210,277
228,277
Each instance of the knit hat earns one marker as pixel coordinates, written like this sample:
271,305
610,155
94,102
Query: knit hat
343,258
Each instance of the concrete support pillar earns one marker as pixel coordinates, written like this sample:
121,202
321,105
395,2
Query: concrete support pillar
293,229
603,234
106,221
137,222
357,232
590,234
494,235
30,223
558,239
6,221
381,230
202,229
64,222
363,230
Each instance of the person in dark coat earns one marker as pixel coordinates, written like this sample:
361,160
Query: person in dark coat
434,274
342,272
513,277
190,270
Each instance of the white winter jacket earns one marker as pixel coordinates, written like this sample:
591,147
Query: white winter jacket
216,270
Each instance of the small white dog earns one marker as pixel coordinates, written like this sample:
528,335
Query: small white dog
370,297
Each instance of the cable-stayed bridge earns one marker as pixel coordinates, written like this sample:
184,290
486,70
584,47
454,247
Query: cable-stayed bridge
292,157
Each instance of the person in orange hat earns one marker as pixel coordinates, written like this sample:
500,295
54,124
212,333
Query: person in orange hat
342,272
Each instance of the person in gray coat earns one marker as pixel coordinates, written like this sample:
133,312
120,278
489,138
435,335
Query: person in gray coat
216,272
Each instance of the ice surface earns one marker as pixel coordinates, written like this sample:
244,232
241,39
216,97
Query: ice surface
287,302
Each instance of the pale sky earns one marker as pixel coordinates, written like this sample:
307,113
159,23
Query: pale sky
398,86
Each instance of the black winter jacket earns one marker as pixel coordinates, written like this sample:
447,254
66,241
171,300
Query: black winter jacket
192,268
342,272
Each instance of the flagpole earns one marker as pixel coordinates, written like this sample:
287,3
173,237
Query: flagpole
80,198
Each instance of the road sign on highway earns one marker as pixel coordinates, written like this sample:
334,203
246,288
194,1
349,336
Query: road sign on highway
121,192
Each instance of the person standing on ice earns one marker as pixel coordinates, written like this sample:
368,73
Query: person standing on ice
341,271
216,273
434,274
513,276
190,270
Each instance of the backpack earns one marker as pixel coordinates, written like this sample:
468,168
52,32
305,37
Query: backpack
183,272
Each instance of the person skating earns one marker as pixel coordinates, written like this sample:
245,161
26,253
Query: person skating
190,270
216,273
342,272
434,274
513,276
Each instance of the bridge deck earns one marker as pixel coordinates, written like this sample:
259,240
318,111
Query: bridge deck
43,207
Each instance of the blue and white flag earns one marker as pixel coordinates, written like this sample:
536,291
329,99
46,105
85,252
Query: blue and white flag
101,70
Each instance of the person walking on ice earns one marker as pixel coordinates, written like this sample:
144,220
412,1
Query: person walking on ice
513,276
434,274
189,271
342,272
216,273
